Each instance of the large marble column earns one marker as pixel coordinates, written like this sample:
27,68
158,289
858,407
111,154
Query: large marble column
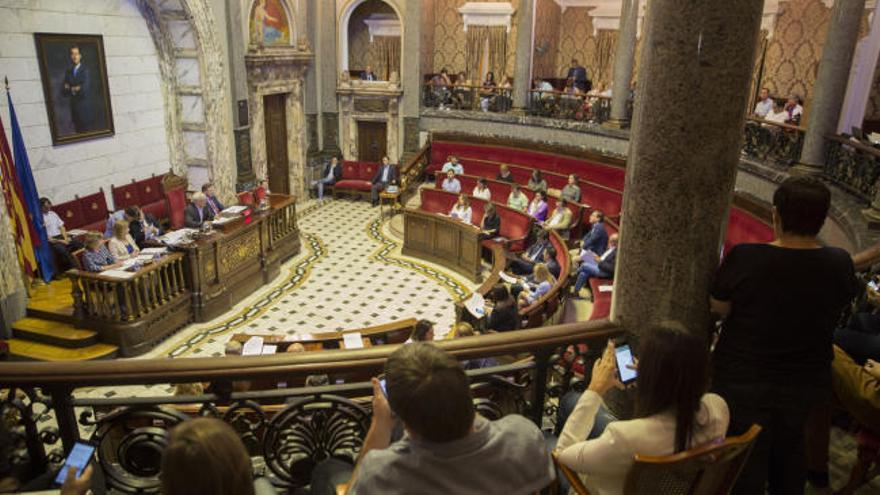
13,294
238,86
411,79
831,81
624,59
525,24
328,71
682,165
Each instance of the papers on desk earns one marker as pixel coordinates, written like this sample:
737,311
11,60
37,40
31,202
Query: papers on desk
874,137
352,340
234,210
507,278
476,305
269,349
253,346
77,232
179,236
223,220
153,251
606,288
144,258
118,274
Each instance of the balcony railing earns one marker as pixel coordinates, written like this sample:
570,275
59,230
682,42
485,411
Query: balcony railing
853,165
570,106
468,97
774,142
286,426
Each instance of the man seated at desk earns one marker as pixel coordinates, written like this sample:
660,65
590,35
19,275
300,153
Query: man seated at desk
197,212
387,174
97,257
213,203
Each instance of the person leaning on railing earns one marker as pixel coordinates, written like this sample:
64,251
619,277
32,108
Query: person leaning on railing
780,303
674,412
446,442
487,92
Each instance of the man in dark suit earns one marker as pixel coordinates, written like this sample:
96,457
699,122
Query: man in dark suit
197,212
77,87
595,266
213,203
387,174
525,263
579,74
596,239
368,75
331,175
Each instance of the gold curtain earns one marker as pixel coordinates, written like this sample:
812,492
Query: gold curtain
388,55
477,37
606,41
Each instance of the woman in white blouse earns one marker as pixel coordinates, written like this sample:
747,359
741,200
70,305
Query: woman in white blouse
673,410
462,210
121,245
482,191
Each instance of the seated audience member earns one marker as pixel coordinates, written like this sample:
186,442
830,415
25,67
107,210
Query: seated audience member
121,245
794,110
503,313
481,190
538,207
386,175
542,90
537,182
214,204
504,174
96,257
487,92
461,91
596,266
464,329
578,75
673,412
62,245
451,183
543,281
331,175
189,389
423,332
143,227
452,164
462,211
596,239
504,100
440,87
517,199
446,442
560,220
572,191
197,212
781,302
777,114
860,338
111,221
765,104
368,74
233,348
549,259
524,264
491,226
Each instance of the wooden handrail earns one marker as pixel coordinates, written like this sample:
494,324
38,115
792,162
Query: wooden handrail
148,371
855,144
788,127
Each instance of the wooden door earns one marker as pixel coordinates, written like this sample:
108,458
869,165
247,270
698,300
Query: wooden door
372,141
277,164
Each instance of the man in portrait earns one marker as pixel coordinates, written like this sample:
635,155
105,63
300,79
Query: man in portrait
76,89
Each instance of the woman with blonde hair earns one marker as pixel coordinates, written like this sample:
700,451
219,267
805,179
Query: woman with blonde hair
122,245
462,210
543,282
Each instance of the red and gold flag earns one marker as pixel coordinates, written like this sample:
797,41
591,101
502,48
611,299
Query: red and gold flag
22,230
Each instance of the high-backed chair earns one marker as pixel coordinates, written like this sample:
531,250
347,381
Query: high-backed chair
705,470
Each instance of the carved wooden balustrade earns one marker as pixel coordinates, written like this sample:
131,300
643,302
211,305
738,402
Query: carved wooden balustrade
771,141
98,296
853,165
282,223
413,172
569,106
468,97
287,428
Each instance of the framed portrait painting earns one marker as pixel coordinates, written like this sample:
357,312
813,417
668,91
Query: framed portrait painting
74,75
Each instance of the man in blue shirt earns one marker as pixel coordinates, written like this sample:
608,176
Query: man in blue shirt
452,164
332,174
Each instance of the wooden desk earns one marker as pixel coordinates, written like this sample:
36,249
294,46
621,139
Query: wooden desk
240,256
443,240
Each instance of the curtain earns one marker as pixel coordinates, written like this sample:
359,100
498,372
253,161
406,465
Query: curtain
478,38
388,56
606,41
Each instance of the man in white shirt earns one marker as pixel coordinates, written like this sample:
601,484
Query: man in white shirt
451,184
794,109
62,245
482,190
764,105
452,164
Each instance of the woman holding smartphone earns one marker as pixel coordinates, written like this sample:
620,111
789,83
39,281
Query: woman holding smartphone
673,410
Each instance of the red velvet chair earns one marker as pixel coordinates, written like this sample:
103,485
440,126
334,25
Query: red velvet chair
71,213
246,198
176,199
95,212
125,195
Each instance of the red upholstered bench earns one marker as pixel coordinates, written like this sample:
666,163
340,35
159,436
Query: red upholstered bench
743,227
145,193
92,212
356,178
601,300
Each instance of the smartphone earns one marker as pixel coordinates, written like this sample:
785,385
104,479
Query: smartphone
382,384
624,357
79,457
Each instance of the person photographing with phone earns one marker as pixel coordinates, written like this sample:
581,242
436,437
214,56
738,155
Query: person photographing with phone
673,410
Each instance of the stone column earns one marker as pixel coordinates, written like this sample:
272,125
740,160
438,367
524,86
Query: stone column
13,294
411,80
624,58
522,69
328,71
235,39
682,165
830,87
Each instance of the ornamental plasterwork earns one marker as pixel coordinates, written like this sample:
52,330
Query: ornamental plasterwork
487,14
383,25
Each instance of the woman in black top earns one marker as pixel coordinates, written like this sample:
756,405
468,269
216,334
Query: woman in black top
491,223
504,315
781,302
